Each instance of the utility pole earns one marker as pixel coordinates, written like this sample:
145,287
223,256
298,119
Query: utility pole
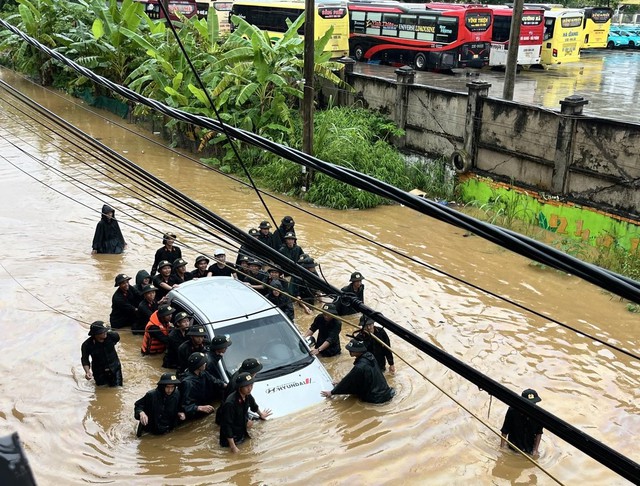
512,54
308,89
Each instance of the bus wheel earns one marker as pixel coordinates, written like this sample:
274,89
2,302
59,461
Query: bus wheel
461,161
420,61
610,45
358,53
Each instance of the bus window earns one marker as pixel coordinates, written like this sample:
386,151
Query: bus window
426,28
407,26
390,24
549,25
447,30
501,28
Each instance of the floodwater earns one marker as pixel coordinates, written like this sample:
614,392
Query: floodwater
51,287
608,79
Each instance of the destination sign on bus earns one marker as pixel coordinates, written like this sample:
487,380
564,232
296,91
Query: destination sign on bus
332,13
477,22
531,19
568,22
601,16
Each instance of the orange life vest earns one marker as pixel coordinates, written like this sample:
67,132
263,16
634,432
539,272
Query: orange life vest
149,344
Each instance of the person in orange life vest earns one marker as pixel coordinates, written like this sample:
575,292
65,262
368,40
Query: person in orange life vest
156,333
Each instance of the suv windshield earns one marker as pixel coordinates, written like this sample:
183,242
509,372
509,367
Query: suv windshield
269,339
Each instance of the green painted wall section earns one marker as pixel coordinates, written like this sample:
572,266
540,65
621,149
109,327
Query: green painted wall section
571,221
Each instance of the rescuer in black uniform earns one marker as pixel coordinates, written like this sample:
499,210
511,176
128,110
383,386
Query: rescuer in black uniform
265,236
199,388
160,409
521,430
217,348
145,309
177,336
286,226
365,379
290,249
281,301
99,357
202,262
355,289
168,252
382,353
162,281
108,237
179,273
124,303
328,327
234,422
195,343
220,267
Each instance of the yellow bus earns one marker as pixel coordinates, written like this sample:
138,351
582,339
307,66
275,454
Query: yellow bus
595,27
562,36
271,16
222,9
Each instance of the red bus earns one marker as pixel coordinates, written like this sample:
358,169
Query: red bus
188,8
428,38
531,36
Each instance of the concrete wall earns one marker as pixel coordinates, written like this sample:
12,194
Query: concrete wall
590,160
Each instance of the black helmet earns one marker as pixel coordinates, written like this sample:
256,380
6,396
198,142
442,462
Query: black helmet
250,365
254,232
356,346
148,288
201,258
97,327
168,379
355,276
244,379
330,308
164,263
196,360
121,277
265,225
288,221
290,234
165,310
180,315
531,395
197,331
220,342
179,262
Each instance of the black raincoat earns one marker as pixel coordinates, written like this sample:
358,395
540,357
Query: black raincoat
108,237
162,410
366,381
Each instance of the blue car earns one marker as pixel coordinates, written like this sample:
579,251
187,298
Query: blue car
634,36
617,38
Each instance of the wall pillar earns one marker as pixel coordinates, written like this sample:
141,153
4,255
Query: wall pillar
405,76
570,109
344,97
466,159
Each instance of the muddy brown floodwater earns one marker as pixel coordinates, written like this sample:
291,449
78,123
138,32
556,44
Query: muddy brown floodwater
51,287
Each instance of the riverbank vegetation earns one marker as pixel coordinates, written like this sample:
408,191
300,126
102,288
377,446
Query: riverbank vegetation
254,83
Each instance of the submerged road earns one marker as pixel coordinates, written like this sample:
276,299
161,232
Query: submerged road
51,286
